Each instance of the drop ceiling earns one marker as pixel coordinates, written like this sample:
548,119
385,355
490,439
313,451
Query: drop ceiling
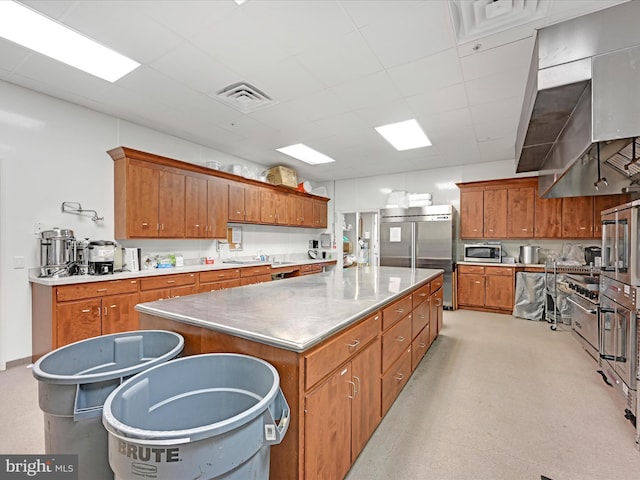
331,69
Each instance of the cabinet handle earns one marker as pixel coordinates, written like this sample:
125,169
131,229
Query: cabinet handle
171,281
400,338
353,390
197,226
477,282
86,310
101,290
421,316
353,344
221,275
357,379
422,345
439,303
400,310
399,377
422,294
105,311
376,318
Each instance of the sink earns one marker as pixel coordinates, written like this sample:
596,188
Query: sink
282,263
241,262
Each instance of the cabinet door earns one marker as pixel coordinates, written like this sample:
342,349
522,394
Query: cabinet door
499,291
282,206
195,216
171,204
471,212
319,213
471,290
218,208
252,197
605,202
77,321
268,207
236,203
142,201
577,217
548,217
520,208
119,313
365,410
153,295
302,212
327,430
495,213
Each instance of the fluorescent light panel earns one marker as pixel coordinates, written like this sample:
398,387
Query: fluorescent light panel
30,29
305,154
405,135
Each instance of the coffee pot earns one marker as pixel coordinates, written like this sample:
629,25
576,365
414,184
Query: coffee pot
56,252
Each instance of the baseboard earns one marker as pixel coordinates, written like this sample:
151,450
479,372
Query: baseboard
19,363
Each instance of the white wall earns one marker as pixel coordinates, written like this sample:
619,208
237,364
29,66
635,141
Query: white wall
54,151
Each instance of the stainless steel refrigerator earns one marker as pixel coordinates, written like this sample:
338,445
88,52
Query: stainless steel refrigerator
420,237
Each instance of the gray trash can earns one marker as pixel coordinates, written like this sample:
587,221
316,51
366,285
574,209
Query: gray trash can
75,380
210,416
529,296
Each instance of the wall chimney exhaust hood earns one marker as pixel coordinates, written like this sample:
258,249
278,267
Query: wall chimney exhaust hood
581,113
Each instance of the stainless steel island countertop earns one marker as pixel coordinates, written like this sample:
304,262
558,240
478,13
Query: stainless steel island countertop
295,313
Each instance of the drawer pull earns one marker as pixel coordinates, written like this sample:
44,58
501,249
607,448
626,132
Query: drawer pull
421,316
400,310
357,379
101,290
353,344
171,281
376,318
422,345
422,294
399,377
86,310
400,339
221,275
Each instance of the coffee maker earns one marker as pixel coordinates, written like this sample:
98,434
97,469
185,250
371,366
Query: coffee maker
81,248
56,252
101,257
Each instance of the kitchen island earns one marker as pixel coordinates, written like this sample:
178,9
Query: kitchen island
344,343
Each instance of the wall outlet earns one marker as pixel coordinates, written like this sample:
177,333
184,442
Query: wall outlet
18,261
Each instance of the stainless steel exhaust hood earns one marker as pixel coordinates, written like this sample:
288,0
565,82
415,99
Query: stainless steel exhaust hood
582,105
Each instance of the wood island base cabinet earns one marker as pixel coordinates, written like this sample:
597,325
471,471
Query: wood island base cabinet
339,390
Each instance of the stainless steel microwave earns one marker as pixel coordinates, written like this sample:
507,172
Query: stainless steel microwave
483,252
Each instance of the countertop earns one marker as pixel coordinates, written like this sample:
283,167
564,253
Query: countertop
218,265
295,313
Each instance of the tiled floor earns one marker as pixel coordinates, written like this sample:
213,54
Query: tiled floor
496,397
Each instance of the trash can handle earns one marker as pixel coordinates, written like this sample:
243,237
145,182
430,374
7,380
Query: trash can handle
274,432
148,441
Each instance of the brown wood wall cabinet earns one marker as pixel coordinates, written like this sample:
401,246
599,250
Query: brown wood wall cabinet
339,390
159,197
69,313
511,208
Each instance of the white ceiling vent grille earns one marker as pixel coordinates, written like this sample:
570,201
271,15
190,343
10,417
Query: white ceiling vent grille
473,19
243,97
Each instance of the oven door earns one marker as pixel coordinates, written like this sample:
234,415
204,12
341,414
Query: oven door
584,321
617,334
615,245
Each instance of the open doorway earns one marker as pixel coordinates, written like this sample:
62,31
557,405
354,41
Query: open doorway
360,238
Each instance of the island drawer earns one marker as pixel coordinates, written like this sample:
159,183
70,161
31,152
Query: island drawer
436,283
165,281
421,294
471,269
395,379
396,311
419,347
420,317
330,355
95,289
216,275
394,341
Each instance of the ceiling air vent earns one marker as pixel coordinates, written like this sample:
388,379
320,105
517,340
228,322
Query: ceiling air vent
480,18
243,97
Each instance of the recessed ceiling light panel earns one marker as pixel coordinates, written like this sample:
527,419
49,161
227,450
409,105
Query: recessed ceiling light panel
405,135
30,29
305,154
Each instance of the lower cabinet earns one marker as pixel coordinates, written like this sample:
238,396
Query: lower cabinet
218,280
167,286
251,275
341,414
486,288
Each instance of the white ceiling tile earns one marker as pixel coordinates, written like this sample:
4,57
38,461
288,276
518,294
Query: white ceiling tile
56,9
286,80
433,72
191,66
385,113
341,59
484,63
367,91
495,128
506,84
499,149
441,100
425,28
504,108
367,13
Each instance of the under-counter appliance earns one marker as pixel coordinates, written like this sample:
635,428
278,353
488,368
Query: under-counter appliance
620,258
101,257
483,252
619,339
56,252
584,302
420,237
